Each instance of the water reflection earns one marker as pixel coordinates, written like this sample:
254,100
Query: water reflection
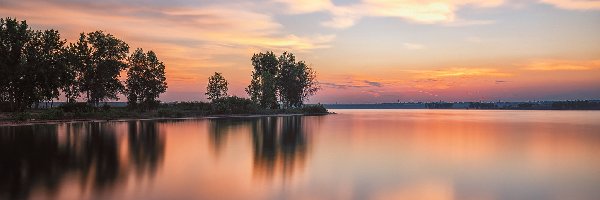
397,154
279,143
42,157
146,146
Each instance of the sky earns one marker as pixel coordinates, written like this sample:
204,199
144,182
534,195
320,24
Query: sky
364,51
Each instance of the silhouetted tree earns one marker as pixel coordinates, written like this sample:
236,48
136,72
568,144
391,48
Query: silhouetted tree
262,88
296,81
145,78
99,59
45,70
32,65
217,87
13,37
291,81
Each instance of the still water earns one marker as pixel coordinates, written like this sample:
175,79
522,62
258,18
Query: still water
356,154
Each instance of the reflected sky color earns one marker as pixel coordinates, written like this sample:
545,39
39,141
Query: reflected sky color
356,154
364,51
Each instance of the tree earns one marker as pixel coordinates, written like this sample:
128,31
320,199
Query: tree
32,65
262,88
44,67
217,87
98,58
13,37
145,78
296,81
283,77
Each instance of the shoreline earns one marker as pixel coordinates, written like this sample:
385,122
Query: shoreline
59,121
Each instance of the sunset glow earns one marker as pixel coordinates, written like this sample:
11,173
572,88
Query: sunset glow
364,51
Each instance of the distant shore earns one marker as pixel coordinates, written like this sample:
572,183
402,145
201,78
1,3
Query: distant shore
529,105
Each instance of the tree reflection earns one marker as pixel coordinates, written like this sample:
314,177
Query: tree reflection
29,157
278,147
146,146
39,157
219,128
279,143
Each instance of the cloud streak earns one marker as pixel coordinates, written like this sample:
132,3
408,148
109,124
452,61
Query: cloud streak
574,4
423,12
563,65
352,84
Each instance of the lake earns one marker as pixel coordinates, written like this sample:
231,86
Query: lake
355,154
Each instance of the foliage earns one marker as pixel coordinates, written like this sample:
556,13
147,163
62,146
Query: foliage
98,59
44,68
20,116
439,105
32,65
281,79
70,107
576,105
217,87
169,113
314,109
36,65
13,37
145,79
296,81
479,105
51,114
262,88
525,105
233,105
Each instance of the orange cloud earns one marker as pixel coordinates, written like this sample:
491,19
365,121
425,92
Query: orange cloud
563,65
461,72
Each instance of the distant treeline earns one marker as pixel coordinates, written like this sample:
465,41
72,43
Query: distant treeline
534,105
576,105
557,105
439,105
38,66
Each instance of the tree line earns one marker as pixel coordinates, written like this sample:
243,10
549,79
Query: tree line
38,66
277,82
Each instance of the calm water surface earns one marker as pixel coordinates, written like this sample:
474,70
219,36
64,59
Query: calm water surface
356,154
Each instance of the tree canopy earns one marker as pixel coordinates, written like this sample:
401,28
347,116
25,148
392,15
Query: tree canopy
217,87
296,81
100,60
145,78
280,80
32,65
262,88
37,66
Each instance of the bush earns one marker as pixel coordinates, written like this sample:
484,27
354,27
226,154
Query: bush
51,114
76,107
169,113
233,105
314,109
144,106
105,107
20,116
